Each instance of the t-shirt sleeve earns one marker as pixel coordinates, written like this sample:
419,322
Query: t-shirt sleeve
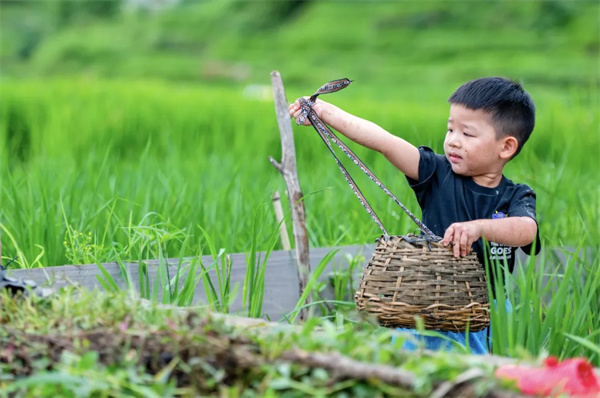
427,167
523,205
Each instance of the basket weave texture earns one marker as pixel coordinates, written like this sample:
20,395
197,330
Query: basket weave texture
408,276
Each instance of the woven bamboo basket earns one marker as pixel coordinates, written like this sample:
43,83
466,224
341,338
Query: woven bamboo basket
408,277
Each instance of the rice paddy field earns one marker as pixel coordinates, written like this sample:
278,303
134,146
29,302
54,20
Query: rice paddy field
135,134
109,158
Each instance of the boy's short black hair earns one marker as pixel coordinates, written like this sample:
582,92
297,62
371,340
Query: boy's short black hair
510,106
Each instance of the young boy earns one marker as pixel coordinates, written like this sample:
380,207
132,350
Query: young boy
464,196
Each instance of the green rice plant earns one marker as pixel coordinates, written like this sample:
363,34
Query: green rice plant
110,187
218,299
21,258
343,279
256,262
131,160
342,282
585,342
107,281
150,242
547,304
310,287
81,248
186,294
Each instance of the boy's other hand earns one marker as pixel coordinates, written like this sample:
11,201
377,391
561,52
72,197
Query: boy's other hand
462,235
295,109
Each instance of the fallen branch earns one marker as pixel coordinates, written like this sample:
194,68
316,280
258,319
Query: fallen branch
346,368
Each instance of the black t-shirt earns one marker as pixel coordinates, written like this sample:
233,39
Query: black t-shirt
446,198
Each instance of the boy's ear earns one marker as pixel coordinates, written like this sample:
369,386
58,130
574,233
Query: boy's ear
509,147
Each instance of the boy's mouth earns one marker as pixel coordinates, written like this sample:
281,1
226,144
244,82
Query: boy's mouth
454,158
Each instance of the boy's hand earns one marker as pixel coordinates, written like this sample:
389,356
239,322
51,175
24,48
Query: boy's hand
462,235
295,110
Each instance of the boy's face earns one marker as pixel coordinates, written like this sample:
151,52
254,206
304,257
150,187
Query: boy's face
471,146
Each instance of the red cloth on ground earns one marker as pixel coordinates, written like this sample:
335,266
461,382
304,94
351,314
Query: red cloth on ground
574,377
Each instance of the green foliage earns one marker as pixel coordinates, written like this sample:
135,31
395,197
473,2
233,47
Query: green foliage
550,307
311,285
343,278
96,344
381,44
218,299
83,376
108,158
256,263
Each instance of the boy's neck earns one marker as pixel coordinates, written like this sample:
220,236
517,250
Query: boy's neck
491,180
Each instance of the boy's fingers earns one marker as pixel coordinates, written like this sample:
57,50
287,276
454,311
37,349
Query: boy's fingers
465,243
448,236
460,240
295,109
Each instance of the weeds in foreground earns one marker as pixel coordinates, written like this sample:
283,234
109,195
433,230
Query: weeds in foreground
121,347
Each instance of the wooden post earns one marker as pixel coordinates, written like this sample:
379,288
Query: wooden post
288,170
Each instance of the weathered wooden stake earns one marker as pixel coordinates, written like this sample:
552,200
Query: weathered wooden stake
288,170
285,239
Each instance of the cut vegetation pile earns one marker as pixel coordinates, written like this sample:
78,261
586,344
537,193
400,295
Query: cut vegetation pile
81,344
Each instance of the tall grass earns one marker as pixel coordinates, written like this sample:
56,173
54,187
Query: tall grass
552,306
220,296
101,156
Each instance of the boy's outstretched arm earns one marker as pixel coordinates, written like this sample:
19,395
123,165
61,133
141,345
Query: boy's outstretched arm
399,152
510,231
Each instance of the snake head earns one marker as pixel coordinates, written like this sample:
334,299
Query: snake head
331,87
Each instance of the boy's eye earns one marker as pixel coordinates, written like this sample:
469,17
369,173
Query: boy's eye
449,130
467,135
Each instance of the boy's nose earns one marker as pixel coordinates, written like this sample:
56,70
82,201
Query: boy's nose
453,141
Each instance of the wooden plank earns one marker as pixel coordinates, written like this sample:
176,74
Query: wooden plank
281,280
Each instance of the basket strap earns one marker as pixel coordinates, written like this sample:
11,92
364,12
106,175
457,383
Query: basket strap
326,134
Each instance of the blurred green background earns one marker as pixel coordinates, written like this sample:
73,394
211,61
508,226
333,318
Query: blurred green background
396,48
122,114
